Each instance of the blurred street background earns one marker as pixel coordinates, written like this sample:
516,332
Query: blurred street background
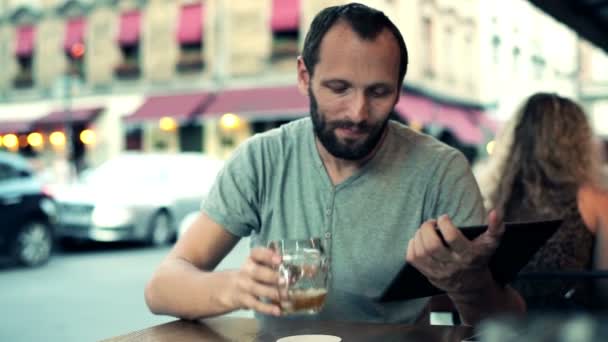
116,115
88,292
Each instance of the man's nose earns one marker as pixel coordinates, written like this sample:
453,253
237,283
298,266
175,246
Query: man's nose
358,110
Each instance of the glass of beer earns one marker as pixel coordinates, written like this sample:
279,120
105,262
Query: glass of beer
303,275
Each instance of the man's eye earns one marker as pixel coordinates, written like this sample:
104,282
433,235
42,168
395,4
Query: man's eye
338,89
380,92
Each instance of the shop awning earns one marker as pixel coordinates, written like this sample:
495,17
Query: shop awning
180,107
128,33
60,117
25,40
74,32
260,103
190,29
14,126
415,108
285,15
465,124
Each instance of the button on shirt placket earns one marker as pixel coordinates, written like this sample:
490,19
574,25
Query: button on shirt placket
329,221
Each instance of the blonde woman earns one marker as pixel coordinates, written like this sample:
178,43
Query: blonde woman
546,166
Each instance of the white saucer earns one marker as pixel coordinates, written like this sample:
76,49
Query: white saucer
310,338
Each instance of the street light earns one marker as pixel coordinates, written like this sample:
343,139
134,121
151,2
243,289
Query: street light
76,52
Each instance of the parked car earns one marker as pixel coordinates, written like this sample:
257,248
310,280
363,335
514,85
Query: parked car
135,197
27,213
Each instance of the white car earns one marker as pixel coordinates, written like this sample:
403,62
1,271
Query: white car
135,197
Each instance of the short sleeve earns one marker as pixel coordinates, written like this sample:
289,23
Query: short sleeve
233,200
456,192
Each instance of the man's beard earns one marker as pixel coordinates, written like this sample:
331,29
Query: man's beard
348,149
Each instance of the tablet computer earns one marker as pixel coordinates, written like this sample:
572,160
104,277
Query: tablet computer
520,241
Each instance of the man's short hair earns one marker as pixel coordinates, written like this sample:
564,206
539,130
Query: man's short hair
365,21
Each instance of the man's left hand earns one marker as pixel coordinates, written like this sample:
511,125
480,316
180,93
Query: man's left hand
456,265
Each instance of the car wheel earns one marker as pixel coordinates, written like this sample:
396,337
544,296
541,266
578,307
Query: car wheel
161,231
33,244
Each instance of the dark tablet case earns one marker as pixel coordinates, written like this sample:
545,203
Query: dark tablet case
519,243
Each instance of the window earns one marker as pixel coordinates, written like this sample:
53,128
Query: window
129,66
428,53
538,66
191,137
24,77
450,51
516,54
190,57
495,49
190,37
263,126
134,138
129,42
285,26
284,46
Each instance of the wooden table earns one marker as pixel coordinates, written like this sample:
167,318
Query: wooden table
225,329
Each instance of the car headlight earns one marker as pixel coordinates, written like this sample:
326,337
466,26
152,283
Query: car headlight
107,216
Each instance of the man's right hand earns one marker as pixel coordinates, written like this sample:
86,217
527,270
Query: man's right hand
254,285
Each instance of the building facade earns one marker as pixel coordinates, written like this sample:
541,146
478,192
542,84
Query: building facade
203,75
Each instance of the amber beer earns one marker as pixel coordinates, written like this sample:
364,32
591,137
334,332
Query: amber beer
303,275
309,301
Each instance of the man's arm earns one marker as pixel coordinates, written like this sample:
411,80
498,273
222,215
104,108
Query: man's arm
185,286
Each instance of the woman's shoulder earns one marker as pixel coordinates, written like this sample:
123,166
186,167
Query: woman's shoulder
593,205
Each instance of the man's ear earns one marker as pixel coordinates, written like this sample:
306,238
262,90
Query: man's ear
303,77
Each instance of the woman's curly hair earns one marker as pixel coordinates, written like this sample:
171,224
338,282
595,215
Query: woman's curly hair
545,153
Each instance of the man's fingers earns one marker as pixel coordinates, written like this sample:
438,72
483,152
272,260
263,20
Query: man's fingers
409,255
265,256
487,242
433,244
419,251
453,237
260,273
254,303
495,225
263,291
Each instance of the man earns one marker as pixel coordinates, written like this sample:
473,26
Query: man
347,174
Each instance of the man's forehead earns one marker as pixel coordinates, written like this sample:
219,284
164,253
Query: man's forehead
342,49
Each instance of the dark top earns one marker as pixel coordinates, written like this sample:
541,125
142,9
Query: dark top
569,249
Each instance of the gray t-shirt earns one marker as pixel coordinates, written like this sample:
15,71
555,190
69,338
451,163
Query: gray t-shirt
275,186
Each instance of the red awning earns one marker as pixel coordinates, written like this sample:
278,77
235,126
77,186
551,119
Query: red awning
14,127
415,108
463,123
190,29
256,103
179,107
25,40
285,15
74,32
128,33
60,117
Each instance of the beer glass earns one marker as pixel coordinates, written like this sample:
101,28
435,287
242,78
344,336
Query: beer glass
303,275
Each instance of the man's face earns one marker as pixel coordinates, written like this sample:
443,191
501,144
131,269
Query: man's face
353,90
